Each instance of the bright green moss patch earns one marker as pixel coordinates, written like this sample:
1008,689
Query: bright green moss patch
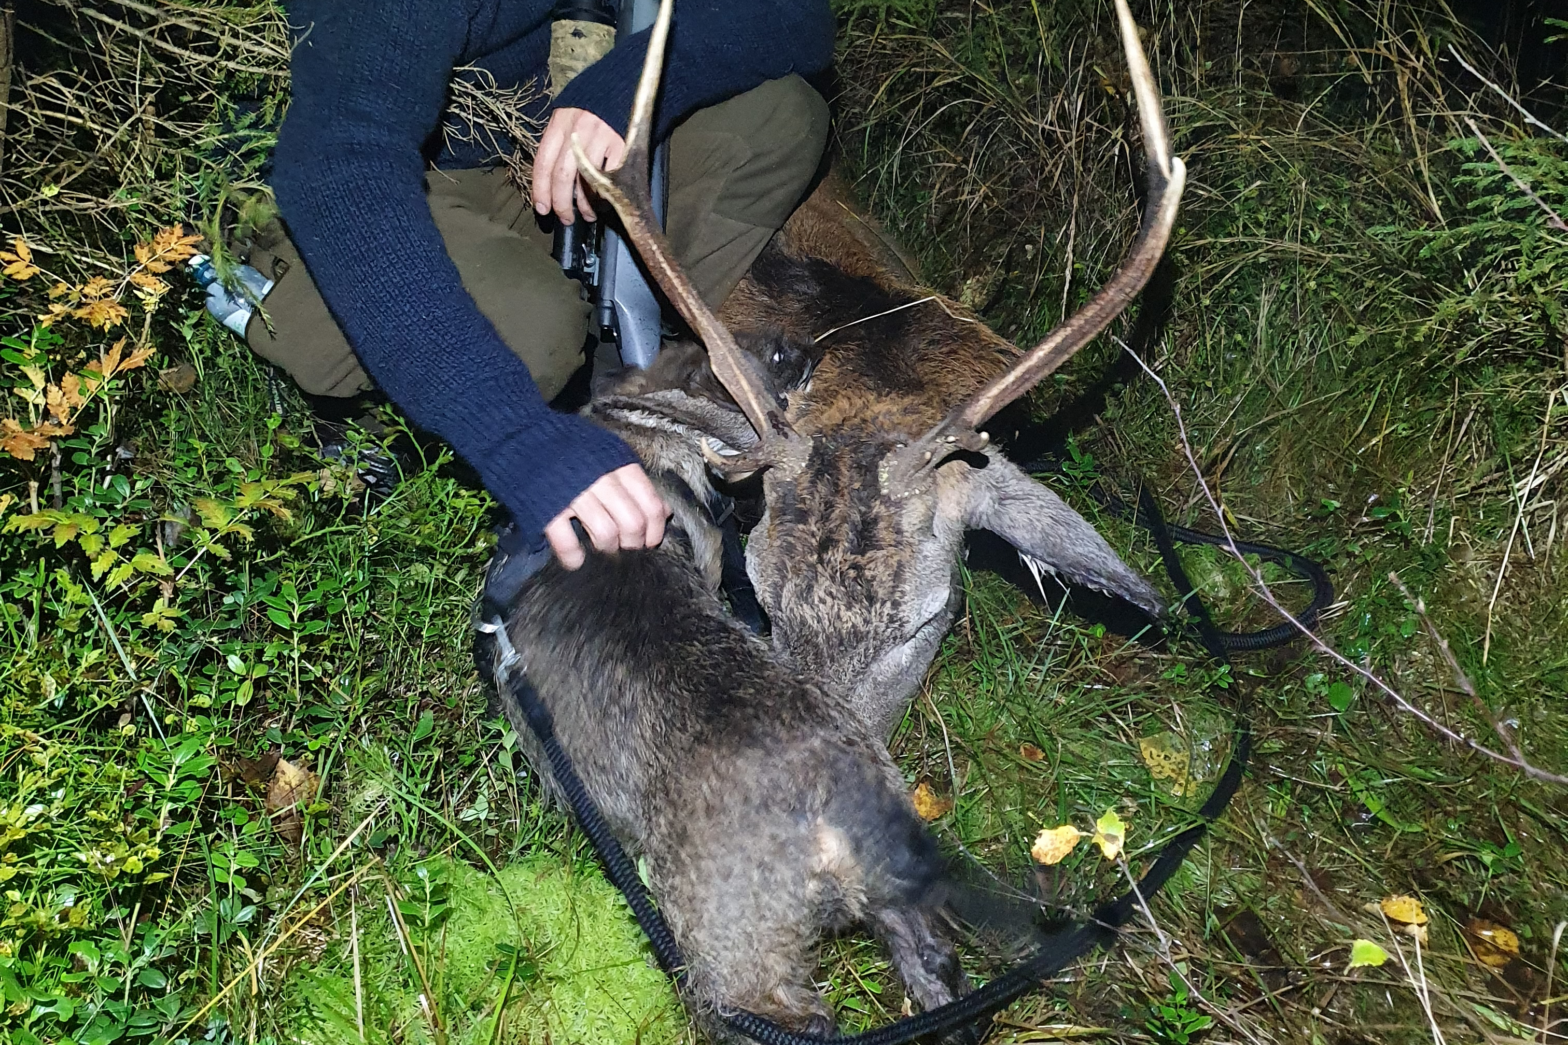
559,944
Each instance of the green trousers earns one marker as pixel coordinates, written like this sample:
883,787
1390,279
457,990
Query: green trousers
737,170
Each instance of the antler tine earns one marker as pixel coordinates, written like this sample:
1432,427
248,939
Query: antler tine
639,128
1151,115
1166,178
626,189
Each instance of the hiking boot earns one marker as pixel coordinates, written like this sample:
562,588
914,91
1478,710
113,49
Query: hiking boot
348,437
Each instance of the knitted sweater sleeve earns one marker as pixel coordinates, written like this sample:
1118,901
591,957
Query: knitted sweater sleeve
369,85
717,49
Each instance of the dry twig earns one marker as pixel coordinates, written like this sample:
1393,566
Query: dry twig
1552,218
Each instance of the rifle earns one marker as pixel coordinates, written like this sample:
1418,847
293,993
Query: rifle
626,311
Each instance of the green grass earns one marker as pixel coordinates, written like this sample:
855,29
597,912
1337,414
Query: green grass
1365,335
1366,328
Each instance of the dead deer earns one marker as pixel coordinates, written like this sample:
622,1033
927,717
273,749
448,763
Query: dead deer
872,473
767,811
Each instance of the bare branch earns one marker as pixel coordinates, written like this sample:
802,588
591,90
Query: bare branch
1529,117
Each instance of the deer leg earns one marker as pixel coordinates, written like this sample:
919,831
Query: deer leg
925,960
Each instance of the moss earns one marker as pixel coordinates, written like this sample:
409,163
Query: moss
583,972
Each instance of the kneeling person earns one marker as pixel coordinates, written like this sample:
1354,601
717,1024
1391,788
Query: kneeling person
432,278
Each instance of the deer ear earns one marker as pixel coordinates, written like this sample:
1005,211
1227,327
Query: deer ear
1004,500
676,410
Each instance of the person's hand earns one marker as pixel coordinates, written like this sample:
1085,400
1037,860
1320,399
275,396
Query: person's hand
620,510
556,182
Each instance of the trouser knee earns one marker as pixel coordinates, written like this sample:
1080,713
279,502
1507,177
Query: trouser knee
738,169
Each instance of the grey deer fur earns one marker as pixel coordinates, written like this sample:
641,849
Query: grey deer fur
860,584
767,812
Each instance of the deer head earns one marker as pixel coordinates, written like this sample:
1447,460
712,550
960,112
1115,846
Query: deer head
868,495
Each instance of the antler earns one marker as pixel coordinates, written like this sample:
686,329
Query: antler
626,188
903,469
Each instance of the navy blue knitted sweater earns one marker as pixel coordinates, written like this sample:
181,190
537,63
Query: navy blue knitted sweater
369,88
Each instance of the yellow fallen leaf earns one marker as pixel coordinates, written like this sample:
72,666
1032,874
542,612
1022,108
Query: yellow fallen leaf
928,804
291,787
1403,909
1110,834
1167,757
1492,944
1052,845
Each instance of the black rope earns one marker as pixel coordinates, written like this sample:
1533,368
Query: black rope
1147,515
1051,957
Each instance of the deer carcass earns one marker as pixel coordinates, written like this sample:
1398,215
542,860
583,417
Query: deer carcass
767,811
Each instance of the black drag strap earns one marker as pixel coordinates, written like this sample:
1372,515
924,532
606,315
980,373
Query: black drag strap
1051,957
1147,515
